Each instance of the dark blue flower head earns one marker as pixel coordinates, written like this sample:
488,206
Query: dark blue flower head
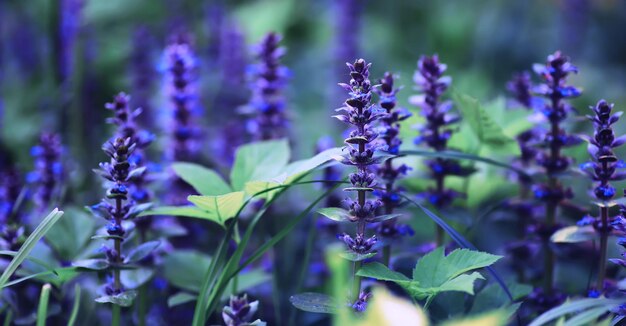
604,166
267,104
239,311
358,244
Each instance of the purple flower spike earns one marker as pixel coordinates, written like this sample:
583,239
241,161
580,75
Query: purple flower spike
127,127
387,172
359,112
267,104
181,65
436,132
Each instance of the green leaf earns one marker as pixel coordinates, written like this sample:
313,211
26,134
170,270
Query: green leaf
185,269
75,306
574,233
253,188
492,296
205,181
142,251
435,273
96,264
71,233
220,208
297,168
29,244
586,318
381,272
56,276
180,298
124,299
42,309
382,218
259,161
492,318
575,306
469,157
336,214
248,280
353,256
484,127
314,302
134,278
434,269
184,211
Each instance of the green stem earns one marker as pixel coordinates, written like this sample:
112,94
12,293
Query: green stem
356,285
143,305
116,311
387,255
604,235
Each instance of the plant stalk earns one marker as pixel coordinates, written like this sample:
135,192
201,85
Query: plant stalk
604,235
549,258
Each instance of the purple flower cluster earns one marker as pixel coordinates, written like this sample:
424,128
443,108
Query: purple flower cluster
125,120
436,132
603,169
267,104
387,172
127,127
180,65
604,166
48,172
118,206
360,113
11,232
239,312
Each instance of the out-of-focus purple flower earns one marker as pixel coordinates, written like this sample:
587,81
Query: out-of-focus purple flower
360,305
347,30
387,172
239,312
48,172
552,193
436,132
232,58
11,232
554,74
181,92
142,73
69,12
267,104
520,87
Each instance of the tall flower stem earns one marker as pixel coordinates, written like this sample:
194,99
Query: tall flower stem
604,237
116,315
549,259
